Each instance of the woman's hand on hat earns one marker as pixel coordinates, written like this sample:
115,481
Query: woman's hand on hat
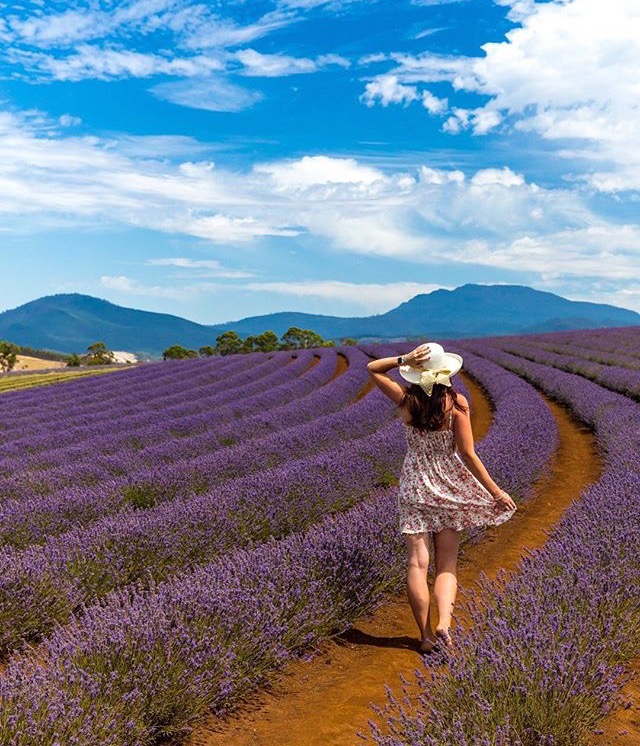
419,355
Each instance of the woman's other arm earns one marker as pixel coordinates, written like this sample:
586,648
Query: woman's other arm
466,449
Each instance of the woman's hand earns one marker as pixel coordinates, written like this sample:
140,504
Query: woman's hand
416,357
505,499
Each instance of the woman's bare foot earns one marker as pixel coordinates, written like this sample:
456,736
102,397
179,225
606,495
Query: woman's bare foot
442,633
428,644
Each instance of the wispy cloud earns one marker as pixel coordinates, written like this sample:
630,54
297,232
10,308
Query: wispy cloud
128,286
371,297
276,65
110,63
212,93
203,267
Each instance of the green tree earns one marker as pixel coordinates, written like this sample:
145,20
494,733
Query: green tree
8,355
73,361
176,352
248,345
207,351
302,339
350,341
228,343
192,353
99,354
266,342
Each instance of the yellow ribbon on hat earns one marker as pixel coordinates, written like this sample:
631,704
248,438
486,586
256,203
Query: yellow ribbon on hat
429,377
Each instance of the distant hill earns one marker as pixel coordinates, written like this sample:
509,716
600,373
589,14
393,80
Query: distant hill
71,322
468,311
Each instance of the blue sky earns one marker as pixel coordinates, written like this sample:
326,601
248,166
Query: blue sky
224,159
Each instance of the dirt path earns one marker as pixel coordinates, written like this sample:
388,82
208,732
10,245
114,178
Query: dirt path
622,726
326,701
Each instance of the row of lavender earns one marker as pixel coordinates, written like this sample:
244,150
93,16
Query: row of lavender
44,584
73,437
341,458
148,658
602,345
546,654
315,421
617,373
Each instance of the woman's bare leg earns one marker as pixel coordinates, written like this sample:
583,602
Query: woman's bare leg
446,544
417,587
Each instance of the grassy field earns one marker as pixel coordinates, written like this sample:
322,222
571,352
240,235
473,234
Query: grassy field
26,362
14,383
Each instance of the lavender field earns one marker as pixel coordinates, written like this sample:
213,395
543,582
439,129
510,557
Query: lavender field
172,535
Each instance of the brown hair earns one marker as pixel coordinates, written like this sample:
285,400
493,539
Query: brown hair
427,412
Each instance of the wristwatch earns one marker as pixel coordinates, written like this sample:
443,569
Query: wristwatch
400,360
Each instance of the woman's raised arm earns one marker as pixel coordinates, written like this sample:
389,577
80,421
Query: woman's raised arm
380,368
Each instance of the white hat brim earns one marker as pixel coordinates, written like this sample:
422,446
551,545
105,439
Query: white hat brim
453,363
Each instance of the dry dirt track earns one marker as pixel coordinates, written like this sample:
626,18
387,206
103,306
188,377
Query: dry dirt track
325,702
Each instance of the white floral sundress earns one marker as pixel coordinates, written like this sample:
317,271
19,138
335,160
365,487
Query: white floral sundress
438,491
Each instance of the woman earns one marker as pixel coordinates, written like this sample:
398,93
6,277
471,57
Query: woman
444,486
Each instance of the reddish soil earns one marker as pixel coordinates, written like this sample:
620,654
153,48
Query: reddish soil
622,726
365,389
327,700
342,366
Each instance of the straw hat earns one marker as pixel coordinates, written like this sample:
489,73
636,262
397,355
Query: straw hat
438,369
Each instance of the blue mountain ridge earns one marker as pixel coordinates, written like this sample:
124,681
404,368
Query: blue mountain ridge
70,322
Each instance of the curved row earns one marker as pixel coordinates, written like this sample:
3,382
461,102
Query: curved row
195,396
150,659
190,470
183,465
44,584
124,450
618,378
91,395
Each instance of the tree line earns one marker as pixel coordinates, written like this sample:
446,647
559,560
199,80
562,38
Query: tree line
97,354
230,343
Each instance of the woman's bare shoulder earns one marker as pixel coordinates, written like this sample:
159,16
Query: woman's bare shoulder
462,399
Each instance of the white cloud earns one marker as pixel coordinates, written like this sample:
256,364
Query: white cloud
225,229
598,251
108,63
60,28
195,25
212,93
504,176
371,297
433,104
440,176
276,65
385,89
68,120
215,33
203,267
493,217
567,73
129,286
319,170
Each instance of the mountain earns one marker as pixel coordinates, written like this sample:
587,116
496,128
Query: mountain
71,322
467,311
